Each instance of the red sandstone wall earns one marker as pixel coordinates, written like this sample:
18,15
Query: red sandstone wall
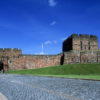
71,57
94,45
75,44
82,57
35,61
89,57
10,52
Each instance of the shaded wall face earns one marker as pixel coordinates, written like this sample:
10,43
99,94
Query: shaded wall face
67,44
1,66
5,63
30,62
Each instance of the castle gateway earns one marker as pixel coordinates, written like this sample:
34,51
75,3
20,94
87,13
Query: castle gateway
76,49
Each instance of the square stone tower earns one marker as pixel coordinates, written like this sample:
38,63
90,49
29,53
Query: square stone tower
81,48
82,42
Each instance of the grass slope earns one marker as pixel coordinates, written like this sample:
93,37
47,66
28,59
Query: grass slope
71,69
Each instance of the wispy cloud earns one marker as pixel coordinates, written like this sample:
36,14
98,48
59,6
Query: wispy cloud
53,23
52,3
41,53
47,42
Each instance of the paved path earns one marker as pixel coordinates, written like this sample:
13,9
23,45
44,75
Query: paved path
2,97
20,87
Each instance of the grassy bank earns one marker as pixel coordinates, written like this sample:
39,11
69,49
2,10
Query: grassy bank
86,71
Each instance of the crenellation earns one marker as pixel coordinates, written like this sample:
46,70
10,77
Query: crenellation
84,36
94,37
75,36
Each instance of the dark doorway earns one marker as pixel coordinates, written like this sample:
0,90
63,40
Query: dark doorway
62,60
1,67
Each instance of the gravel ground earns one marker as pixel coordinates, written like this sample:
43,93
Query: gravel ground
21,87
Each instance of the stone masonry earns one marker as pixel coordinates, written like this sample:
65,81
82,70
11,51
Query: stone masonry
76,49
81,49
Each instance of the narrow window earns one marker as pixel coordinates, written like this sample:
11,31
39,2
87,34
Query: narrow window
81,45
85,47
89,45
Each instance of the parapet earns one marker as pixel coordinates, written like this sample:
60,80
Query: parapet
84,36
93,37
74,35
11,49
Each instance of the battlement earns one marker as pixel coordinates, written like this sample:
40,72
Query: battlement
81,42
85,36
10,52
10,49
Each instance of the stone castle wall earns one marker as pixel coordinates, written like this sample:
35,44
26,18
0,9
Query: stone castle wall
73,57
6,54
33,61
76,49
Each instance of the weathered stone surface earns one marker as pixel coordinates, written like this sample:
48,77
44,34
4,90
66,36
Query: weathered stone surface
71,57
33,61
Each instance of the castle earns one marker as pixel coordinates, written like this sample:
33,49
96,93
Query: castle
76,49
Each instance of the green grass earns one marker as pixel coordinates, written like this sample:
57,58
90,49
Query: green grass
92,77
85,71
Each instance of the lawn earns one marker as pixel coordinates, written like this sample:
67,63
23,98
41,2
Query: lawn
81,71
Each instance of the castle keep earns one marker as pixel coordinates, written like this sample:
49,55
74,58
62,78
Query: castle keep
76,49
81,49
81,43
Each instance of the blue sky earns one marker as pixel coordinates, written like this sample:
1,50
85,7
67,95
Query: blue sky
27,24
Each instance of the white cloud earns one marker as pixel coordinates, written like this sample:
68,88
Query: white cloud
41,53
53,23
52,3
50,42
47,42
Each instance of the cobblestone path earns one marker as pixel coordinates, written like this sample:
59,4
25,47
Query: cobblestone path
21,87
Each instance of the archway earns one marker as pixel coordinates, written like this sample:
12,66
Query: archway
1,67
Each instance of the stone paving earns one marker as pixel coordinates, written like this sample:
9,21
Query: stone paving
2,97
21,87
